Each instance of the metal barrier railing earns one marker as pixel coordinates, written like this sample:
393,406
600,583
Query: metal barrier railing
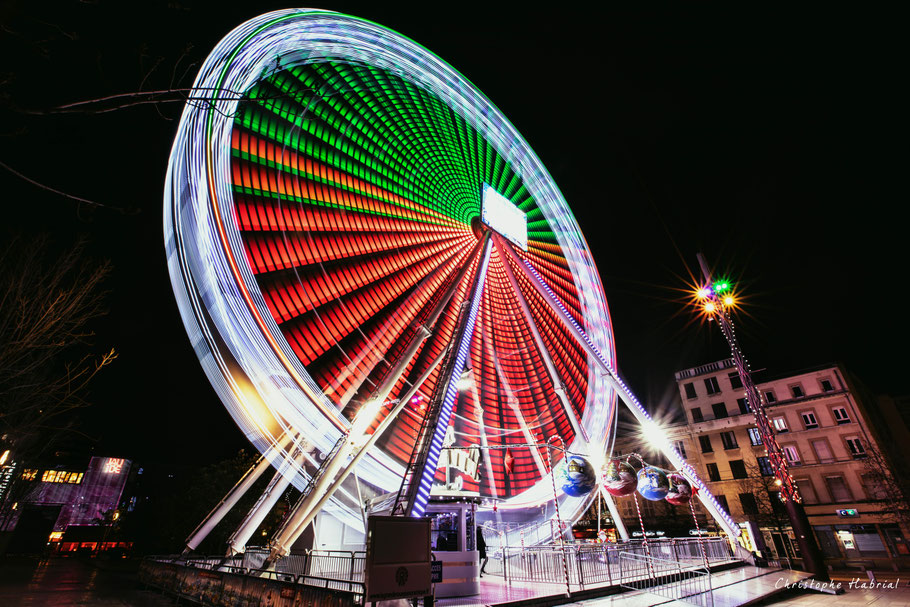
207,583
598,563
666,578
588,564
332,564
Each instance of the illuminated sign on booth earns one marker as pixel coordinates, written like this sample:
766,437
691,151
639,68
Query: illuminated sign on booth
848,512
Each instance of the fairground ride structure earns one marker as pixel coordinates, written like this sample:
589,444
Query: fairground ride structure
367,256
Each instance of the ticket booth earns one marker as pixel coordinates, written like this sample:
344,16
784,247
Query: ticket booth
452,538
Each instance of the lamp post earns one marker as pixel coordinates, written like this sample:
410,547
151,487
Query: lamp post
718,302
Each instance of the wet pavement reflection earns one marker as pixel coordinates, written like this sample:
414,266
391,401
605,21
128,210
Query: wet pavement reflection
60,582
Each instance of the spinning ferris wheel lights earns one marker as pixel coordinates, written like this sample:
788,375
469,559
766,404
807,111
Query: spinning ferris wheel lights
329,224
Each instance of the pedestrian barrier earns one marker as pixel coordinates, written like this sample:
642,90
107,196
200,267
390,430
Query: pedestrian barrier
599,563
334,575
207,582
666,578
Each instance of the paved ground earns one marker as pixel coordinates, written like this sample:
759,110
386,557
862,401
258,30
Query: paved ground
100,583
66,582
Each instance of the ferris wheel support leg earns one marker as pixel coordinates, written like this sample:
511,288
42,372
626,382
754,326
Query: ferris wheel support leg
614,513
558,386
306,510
265,503
230,500
303,515
625,394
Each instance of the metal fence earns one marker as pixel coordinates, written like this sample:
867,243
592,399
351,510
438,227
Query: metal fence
226,586
588,564
666,578
583,564
334,569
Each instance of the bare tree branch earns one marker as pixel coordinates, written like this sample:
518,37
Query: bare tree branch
46,305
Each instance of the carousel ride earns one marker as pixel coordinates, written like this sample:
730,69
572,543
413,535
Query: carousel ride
387,290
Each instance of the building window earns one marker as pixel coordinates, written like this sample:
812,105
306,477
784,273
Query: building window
822,451
713,473
806,490
738,468
729,440
840,415
720,410
826,385
792,455
872,483
705,444
764,466
755,437
61,476
743,405
680,448
797,391
838,489
856,447
780,424
711,385
690,390
696,415
809,420
747,500
722,500
769,397
735,382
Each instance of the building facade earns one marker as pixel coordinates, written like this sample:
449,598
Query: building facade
836,456
67,508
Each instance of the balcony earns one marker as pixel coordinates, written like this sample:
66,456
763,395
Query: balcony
704,369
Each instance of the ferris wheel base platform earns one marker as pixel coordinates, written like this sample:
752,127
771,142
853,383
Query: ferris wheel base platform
734,584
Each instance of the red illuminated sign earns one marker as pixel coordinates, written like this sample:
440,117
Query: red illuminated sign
113,465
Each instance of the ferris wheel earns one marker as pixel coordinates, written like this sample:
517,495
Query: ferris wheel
355,235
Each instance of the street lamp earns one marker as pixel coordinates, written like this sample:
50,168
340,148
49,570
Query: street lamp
718,302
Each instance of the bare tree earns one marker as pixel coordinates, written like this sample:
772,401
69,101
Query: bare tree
887,484
765,507
47,303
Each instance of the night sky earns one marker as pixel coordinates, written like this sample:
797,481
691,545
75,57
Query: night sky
769,141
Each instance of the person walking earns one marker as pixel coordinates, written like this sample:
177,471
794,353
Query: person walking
481,550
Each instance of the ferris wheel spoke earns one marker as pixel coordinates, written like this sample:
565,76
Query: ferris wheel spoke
442,332
276,251
345,168
263,213
316,328
513,403
327,120
291,293
519,357
259,182
411,341
345,364
558,385
557,276
413,130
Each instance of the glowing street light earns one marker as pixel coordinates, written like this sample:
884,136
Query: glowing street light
653,434
789,493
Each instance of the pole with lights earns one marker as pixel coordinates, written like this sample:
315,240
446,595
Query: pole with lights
717,301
